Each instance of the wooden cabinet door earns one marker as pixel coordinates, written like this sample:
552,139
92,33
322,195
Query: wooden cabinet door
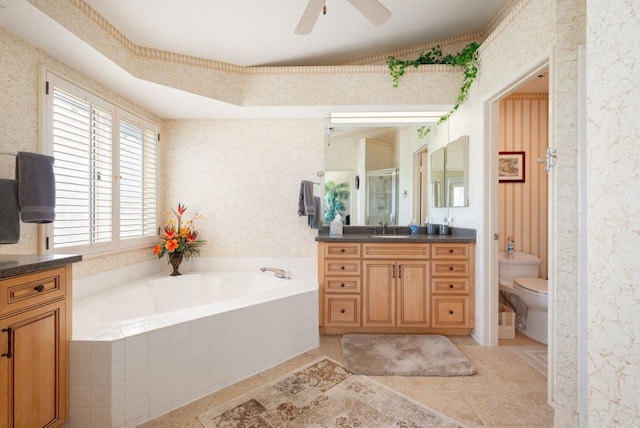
413,294
378,294
33,385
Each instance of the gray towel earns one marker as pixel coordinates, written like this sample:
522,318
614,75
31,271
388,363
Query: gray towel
36,187
305,201
314,220
9,214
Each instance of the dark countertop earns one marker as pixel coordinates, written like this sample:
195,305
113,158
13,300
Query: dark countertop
364,234
12,265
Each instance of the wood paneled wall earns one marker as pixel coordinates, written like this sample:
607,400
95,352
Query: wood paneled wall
524,126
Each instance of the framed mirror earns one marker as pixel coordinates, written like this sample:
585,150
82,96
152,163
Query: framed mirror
456,173
437,178
449,175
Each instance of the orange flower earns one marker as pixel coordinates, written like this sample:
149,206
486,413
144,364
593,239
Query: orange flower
192,236
171,245
169,232
157,249
181,209
184,232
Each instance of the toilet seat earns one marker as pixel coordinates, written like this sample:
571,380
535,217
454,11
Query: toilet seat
534,285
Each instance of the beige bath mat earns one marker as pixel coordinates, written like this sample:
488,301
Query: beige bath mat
324,394
404,355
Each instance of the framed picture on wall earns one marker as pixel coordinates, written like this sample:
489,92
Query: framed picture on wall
511,167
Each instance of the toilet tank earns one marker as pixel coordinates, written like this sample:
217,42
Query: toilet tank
522,265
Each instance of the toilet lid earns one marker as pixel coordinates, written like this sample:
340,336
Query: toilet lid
538,285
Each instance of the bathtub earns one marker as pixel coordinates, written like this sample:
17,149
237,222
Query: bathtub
148,346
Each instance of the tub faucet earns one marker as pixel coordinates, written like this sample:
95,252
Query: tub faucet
279,273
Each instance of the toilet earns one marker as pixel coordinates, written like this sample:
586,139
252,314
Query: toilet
522,287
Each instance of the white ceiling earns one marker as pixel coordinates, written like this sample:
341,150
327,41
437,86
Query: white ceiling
246,33
260,32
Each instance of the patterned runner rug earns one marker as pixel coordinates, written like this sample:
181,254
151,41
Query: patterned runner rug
324,394
404,355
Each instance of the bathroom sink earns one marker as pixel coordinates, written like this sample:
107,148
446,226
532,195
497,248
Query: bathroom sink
390,236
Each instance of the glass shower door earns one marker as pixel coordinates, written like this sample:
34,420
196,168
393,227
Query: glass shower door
382,196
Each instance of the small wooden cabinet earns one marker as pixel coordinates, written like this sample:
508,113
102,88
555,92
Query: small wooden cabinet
35,332
452,270
395,278
341,284
396,287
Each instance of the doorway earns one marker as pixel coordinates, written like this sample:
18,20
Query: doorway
521,207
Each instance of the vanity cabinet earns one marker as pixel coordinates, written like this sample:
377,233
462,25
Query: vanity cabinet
35,332
340,280
452,269
413,287
395,292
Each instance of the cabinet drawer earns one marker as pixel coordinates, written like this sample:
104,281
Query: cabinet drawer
19,292
449,268
337,284
450,311
342,310
341,267
450,285
449,251
395,250
342,250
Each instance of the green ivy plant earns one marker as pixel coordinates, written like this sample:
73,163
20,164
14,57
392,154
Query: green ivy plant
467,59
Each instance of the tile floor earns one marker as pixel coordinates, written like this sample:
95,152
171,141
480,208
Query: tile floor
506,391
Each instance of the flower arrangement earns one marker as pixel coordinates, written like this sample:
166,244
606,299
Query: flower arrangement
180,237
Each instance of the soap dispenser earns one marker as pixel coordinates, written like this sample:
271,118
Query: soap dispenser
413,227
510,248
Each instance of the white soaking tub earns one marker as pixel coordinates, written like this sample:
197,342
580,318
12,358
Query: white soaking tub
146,347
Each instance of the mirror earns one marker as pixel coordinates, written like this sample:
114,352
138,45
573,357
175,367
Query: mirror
456,193
449,175
374,165
437,178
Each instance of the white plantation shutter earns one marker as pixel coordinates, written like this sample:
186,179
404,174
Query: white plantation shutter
150,182
137,180
105,169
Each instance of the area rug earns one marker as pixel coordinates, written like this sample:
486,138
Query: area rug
404,355
324,394
535,357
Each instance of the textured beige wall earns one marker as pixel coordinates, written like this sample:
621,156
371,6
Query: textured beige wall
613,212
244,177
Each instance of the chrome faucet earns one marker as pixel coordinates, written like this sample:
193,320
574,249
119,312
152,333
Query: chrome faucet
279,273
384,225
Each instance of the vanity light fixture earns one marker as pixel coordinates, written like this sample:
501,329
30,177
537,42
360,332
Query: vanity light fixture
387,117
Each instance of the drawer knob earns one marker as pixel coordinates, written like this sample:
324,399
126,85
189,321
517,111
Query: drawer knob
450,312
450,285
342,267
342,285
450,267
450,250
39,288
342,311
342,250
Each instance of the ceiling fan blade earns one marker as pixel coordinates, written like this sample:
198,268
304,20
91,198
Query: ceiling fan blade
309,17
373,10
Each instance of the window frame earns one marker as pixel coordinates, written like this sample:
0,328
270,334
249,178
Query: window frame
53,80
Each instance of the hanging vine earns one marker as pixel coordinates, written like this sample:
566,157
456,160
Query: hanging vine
467,59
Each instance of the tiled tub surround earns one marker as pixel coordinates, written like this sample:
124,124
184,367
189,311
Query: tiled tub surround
129,371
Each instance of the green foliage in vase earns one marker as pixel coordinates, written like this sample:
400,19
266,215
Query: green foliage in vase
467,59
335,197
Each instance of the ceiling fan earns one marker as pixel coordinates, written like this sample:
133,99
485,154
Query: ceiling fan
371,9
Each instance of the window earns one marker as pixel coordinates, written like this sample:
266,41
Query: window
105,170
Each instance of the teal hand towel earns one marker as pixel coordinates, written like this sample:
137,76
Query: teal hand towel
9,214
36,187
